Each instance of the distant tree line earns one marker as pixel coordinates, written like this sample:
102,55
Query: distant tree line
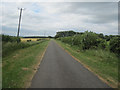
37,37
66,33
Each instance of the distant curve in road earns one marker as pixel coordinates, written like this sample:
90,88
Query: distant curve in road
59,70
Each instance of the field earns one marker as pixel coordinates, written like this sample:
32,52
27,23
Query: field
32,39
103,63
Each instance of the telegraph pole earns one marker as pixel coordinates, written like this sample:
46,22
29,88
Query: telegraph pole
19,24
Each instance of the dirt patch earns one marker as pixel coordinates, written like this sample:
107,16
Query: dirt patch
25,69
16,56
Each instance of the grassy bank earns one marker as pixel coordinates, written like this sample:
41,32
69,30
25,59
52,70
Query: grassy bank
101,62
10,47
20,66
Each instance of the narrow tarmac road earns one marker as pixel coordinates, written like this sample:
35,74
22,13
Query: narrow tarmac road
59,70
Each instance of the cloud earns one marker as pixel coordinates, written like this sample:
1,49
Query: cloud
61,1
50,17
104,12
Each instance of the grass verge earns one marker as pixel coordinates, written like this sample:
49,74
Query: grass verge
103,63
10,47
20,66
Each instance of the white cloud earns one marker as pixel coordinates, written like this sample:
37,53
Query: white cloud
50,17
61,1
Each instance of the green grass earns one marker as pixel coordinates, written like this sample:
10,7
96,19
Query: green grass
103,63
19,67
9,47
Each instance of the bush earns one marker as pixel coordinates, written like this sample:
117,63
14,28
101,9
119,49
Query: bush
85,41
77,40
39,39
102,44
90,40
28,40
115,45
67,40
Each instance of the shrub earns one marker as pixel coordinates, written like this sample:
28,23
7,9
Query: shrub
102,44
67,40
90,40
77,40
39,39
86,40
115,45
28,40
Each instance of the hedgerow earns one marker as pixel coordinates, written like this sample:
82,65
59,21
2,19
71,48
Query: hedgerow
91,40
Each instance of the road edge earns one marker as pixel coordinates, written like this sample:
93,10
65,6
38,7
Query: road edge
84,65
38,65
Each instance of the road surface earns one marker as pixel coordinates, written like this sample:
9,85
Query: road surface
59,70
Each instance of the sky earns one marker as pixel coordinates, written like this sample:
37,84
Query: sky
47,18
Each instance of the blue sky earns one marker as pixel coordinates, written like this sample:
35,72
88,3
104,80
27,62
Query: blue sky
47,18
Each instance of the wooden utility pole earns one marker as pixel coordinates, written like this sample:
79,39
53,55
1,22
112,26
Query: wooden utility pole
19,24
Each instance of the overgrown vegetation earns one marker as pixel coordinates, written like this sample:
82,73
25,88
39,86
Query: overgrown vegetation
91,40
7,38
115,45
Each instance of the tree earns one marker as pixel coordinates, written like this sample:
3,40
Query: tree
65,34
